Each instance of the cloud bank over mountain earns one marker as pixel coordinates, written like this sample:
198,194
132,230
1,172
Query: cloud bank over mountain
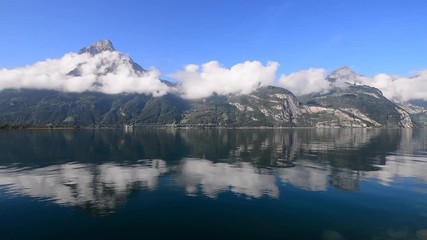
111,72
396,88
195,82
401,89
305,82
108,72
100,68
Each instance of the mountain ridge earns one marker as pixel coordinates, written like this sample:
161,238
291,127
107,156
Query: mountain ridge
98,47
348,105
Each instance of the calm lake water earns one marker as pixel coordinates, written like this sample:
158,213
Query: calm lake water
213,184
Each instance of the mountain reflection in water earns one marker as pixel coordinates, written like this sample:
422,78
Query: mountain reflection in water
98,170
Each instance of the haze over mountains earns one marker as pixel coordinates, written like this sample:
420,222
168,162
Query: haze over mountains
101,86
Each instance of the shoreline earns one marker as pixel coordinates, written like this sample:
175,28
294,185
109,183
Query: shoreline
132,127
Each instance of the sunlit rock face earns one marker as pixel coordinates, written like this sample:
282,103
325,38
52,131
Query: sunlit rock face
98,47
343,75
268,106
351,101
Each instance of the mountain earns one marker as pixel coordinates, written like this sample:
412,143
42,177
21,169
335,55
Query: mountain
418,111
38,107
346,105
106,65
267,106
98,47
343,74
366,105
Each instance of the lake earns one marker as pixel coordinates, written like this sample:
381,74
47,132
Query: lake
213,184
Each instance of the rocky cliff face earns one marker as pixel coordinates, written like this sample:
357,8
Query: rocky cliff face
342,75
418,112
269,106
98,47
349,104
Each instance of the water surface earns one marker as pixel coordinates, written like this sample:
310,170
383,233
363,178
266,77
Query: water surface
213,184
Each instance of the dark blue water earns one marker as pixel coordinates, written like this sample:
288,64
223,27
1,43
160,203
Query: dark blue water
213,184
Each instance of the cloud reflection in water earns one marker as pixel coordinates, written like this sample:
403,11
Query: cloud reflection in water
213,178
97,188
253,164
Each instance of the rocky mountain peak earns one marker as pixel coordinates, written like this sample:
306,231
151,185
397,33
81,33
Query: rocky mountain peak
98,47
108,65
343,74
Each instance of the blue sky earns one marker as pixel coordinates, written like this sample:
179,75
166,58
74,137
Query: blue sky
370,36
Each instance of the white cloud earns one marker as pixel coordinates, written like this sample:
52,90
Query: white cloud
305,82
401,89
107,72
212,78
111,72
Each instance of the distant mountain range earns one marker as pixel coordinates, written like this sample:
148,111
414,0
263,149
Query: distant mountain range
350,105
